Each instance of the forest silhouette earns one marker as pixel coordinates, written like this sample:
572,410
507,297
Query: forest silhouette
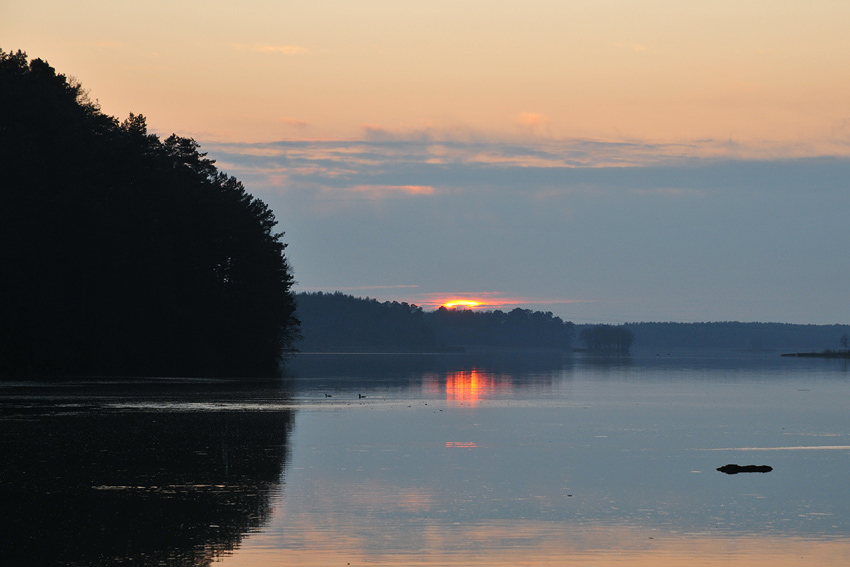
124,254
337,322
607,338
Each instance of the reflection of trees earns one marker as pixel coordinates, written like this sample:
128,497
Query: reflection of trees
607,360
140,488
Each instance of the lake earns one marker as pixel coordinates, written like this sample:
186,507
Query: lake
436,460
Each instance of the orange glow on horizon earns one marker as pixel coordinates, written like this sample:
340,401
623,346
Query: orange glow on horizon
480,300
462,304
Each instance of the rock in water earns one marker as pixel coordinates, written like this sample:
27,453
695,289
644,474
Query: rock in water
735,469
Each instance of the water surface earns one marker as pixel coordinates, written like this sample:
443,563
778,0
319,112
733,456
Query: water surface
438,460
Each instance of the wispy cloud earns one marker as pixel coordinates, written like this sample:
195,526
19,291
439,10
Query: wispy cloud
554,225
382,190
531,119
295,123
250,150
544,171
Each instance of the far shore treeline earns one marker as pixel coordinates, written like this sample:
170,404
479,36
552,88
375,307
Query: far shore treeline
124,254
337,322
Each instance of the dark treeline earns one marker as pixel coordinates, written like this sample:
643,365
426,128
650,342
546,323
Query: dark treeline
123,253
515,329
739,336
336,322
607,338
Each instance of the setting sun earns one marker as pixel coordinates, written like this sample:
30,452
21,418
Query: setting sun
461,304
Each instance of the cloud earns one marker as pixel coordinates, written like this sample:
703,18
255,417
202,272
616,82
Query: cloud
531,120
550,174
841,131
592,230
250,150
301,124
383,190
375,133
378,133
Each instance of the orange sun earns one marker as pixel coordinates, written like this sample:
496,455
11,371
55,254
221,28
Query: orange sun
461,304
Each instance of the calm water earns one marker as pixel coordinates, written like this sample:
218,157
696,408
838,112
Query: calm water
436,460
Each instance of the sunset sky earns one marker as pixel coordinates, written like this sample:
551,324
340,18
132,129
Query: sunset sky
609,161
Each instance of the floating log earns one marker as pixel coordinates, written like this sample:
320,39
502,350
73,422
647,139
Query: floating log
735,469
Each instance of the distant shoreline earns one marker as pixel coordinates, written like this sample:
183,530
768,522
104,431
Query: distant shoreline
822,354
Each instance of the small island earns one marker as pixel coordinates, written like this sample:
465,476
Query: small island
822,354
827,353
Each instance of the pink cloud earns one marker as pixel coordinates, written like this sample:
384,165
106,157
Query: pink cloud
295,123
531,119
384,189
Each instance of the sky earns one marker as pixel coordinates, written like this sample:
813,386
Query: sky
609,161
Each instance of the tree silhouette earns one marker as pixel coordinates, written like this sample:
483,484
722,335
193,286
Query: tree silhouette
340,322
336,322
123,253
607,338
516,329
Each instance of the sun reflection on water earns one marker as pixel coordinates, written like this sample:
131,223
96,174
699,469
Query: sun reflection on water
468,387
